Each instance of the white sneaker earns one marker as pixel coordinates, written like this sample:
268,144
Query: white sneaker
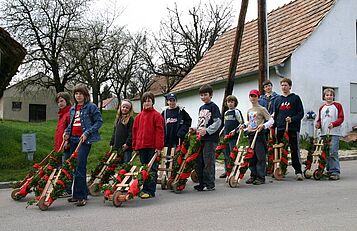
299,177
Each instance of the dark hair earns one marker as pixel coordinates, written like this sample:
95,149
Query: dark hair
147,95
82,89
267,82
206,88
286,80
232,98
65,95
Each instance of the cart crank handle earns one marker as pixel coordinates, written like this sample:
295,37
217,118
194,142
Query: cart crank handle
239,136
287,126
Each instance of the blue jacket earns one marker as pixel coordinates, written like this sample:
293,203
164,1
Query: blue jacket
263,101
91,121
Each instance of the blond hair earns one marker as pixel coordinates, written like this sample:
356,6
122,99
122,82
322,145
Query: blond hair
124,119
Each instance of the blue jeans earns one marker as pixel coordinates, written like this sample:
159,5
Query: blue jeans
206,164
257,165
333,163
230,145
127,156
80,189
66,155
146,155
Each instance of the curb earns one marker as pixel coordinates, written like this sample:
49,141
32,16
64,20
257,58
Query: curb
4,185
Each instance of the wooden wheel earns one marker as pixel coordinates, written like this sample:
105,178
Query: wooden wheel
94,189
163,182
232,182
14,194
194,176
277,174
317,174
117,199
175,188
42,204
307,173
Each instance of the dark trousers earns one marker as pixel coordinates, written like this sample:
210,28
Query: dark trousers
146,155
230,145
206,164
79,188
257,164
66,155
294,148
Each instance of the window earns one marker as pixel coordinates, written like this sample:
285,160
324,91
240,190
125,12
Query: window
16,106
353,99
334,88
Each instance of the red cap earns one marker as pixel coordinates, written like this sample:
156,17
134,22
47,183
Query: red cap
254,92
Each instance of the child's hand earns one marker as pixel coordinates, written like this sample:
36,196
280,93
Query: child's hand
65,136
202,131
288,119
260,127
330,126
83,138
125,147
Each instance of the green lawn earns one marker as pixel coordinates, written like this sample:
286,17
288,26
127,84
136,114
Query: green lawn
14,165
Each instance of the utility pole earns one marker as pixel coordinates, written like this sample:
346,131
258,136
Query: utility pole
235,54
262,43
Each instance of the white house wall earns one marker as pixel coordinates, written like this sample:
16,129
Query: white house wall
328,58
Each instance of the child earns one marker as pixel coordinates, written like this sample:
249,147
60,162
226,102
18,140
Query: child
329,120
148,138
121,137
86,120
209,122
63,100
177,122
256,117
232,119
289,109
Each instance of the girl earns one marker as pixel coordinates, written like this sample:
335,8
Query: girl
121,137
85,123
63,100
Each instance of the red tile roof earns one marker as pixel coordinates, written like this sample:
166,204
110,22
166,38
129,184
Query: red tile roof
288,27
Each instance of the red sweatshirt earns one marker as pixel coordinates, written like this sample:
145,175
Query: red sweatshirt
62,123
148,130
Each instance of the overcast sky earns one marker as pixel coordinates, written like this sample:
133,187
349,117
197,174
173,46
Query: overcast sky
146,14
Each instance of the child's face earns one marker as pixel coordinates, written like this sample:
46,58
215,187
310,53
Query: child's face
285,87
172,103
148,103
124,109
268,88
205,97
231,104
61,103
79,97
329,97
253,99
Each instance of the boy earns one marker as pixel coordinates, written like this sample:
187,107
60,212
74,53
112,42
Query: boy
289,109
232,119
256,117
269,97
148,138
209,122
329,120
177,122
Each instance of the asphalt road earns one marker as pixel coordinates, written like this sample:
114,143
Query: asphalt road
277,205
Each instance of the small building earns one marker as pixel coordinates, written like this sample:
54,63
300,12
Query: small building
110,104
30,103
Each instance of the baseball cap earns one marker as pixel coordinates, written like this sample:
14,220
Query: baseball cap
171,96
254,92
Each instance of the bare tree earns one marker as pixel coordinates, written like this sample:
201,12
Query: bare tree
44,28
179,45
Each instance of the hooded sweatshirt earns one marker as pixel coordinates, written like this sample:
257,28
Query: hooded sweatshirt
291,106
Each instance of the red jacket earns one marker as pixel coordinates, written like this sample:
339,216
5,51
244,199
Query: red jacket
62,124
148,130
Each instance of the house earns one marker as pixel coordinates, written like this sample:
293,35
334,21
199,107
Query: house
32,104
110,103
312,42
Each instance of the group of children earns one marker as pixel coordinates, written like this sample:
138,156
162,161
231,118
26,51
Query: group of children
150,131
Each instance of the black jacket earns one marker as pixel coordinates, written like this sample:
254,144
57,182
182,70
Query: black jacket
122,134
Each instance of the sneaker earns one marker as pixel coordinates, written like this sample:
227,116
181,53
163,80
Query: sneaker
81,202
209,188
259,181
299,177
224,175
334,177
71,200
250,180
198,187
144,195
65,195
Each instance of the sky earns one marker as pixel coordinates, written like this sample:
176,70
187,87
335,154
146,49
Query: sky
146,14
